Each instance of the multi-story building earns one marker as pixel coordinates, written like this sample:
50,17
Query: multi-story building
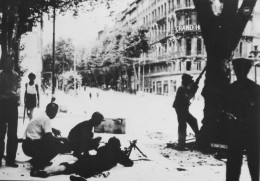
177,46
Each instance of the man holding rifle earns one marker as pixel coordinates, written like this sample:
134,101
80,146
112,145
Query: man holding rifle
181,104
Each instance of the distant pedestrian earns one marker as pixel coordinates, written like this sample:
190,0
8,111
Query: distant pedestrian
97,94
106,158
181,105
40,144
9,101
31,96
243,103
90,95
81,136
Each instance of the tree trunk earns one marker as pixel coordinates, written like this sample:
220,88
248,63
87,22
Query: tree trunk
221,34
216,81
4,35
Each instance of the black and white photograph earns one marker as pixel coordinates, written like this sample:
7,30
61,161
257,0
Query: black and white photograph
132,90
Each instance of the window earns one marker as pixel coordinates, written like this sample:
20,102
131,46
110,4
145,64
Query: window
199,46
179,46
188,19
187,3
188,47
159,87
178,20
173,86
188,65
240,49
178,3
165,87
199,65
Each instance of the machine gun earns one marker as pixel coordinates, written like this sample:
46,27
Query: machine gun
195,85
130,148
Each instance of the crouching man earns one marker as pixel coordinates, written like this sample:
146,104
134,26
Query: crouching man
40,144
87,166
81,136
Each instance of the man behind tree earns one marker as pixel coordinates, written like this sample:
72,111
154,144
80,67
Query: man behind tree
243,104
9,100
181,105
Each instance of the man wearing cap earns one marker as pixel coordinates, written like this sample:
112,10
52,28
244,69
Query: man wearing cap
181,105
81,136
242,102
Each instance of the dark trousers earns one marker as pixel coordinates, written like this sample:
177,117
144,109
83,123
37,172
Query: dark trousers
237,143
43,151
184,117
8,123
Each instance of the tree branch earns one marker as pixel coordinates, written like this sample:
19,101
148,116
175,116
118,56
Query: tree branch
209,23
241,19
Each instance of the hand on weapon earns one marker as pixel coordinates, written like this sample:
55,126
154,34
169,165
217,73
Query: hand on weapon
56,132
195,85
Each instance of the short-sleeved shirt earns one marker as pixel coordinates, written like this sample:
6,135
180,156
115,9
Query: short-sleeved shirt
37,127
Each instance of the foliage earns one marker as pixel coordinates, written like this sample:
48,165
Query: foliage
67,80
18,17
64,56
115,54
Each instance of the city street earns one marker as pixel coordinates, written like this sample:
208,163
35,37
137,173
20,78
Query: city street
150,120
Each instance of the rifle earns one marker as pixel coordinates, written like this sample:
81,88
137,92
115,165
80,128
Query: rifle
195,85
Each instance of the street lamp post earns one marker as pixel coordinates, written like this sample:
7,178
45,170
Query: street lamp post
255,53
53,50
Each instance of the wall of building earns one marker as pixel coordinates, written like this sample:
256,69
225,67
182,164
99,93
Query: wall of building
177,46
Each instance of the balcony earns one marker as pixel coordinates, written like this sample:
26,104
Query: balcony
161,20
183,7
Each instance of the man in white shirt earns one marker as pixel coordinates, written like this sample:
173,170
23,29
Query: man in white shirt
40,144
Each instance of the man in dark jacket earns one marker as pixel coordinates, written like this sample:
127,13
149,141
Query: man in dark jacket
9,101
243,103
87,166
81,136
181,105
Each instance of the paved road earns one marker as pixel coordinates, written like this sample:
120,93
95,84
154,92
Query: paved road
150,119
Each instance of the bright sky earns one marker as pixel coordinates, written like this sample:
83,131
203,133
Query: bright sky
84,28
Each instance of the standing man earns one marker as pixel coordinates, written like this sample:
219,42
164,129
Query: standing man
243,106
40,144
81,136
181,105
9,100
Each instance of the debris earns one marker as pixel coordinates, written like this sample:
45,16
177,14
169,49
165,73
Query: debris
181,169
166,156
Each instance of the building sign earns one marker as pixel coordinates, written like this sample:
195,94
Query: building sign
185,28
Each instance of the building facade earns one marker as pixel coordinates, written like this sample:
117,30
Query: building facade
176,43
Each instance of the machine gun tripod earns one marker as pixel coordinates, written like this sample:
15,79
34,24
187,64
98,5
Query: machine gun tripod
130,148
